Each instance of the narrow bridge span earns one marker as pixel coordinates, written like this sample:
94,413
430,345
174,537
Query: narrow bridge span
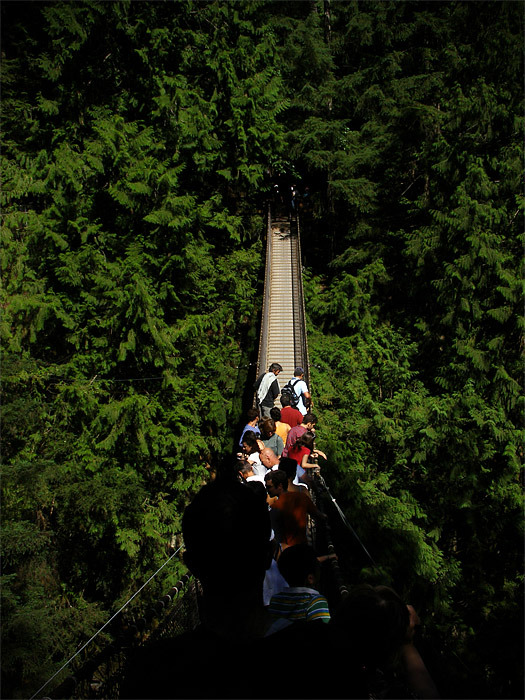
283,329
98,672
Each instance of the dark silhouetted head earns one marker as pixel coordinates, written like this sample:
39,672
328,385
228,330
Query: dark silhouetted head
288,466
275,414
225,517
285,400
298,565
372,622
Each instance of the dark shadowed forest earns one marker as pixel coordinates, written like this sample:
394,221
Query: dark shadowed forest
140,143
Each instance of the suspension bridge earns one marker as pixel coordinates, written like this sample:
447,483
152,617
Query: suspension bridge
95,672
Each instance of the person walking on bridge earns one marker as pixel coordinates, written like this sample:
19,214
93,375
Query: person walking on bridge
226,531
269,436
272,462
269,458
289,415
290,510
253,418
267,389
300,387
281,428
309,423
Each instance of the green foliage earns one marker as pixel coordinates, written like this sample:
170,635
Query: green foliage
416,302
130,266
139,141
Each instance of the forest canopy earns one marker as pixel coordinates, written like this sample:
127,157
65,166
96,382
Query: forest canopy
140,143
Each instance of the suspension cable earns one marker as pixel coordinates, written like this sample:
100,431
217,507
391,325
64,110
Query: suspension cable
106,624
334,563
345,521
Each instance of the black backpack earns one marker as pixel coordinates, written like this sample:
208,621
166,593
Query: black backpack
288,389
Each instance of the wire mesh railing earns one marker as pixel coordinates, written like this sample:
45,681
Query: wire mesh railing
262,360
302,358
100,675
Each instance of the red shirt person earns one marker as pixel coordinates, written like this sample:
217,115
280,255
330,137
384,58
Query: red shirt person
308,423
292,416
302,448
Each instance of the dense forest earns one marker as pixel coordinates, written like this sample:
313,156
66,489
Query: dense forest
140,141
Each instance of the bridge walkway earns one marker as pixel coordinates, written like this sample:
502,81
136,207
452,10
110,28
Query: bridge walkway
283,329
282,339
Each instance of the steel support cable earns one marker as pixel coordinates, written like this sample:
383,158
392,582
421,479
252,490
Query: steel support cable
345,521
305,362
68,686
334,563
297,319
262,358
293,274
105,624
327,543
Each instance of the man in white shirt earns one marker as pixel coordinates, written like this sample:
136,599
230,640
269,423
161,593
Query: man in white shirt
247,472
267,389
301,389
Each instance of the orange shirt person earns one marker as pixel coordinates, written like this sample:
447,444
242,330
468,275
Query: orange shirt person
292,509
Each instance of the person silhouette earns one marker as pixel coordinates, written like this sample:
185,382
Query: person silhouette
226,532
374,630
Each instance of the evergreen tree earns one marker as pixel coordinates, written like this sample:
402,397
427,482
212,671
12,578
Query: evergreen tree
421,307
139,141
130,267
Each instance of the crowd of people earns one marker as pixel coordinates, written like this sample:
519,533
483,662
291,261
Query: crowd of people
245,535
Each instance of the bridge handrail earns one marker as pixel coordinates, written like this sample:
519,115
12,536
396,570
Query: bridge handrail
139,630
301,356
321,492
127,633
302,309
262,359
